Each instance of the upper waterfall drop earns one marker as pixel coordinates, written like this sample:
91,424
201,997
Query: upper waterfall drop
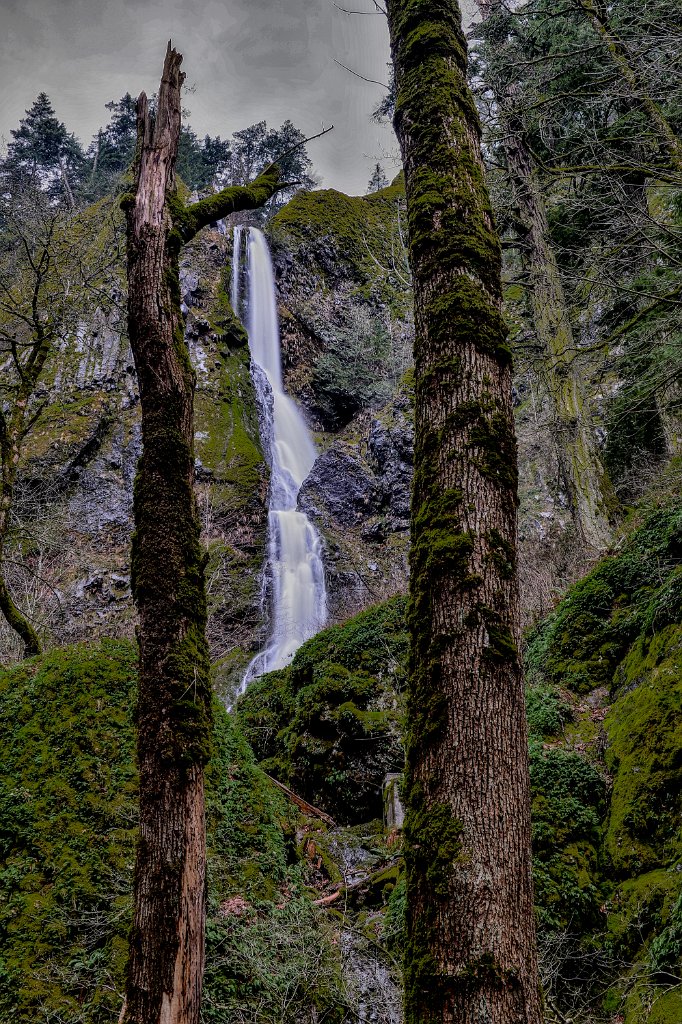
299,597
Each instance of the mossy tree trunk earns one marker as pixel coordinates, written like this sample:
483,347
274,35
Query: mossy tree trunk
584,475
174,709
470,952
582,471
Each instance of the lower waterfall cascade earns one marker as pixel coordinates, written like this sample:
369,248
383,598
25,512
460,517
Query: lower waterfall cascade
295,568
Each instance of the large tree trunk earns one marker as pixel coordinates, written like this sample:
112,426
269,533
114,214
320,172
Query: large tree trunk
584,476
470,952
583,473
174,707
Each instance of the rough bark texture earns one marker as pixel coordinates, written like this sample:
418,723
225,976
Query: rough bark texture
470,954
174,708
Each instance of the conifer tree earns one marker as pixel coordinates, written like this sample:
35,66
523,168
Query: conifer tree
378,179
43,150
114,148
470,952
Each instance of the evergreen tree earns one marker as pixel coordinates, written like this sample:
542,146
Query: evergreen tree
114,148
201,164
378,179
45,151
583,106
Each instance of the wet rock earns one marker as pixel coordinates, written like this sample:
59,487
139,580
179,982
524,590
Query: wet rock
390,451
339,488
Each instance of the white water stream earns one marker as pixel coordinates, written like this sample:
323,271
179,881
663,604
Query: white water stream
295,568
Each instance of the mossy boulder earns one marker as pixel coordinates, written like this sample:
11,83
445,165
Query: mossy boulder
328,725
644,755
636,592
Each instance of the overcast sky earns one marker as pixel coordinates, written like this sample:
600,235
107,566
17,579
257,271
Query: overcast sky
250,60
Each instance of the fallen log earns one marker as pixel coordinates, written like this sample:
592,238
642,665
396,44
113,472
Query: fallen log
303,804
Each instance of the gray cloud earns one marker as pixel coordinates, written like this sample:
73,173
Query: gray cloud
250,60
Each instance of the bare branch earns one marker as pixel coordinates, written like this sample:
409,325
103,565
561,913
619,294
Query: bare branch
357,74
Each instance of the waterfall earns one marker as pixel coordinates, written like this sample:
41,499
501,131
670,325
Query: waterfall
295,568
236,267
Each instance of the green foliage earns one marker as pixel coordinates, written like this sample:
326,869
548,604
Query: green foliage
201,163
568,803
354,372
393,932
546,712
42,152
635,592
378,179
358,237
645,756
68,789
327,725
68,794
257,146
665,952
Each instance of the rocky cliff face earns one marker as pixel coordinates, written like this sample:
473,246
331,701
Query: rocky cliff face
347,333
344,301
74,509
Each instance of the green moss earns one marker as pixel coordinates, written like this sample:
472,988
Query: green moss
645,755
328,725
547,712
432,847
68,802
568,803
637,592
364,233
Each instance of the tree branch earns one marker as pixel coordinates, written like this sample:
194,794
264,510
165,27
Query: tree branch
191,219
378,9
303,142
357,74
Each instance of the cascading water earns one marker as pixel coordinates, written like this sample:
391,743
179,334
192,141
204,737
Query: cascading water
296,571
236,268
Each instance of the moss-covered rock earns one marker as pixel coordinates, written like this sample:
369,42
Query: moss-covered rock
607,816
636,592
644,756
328,724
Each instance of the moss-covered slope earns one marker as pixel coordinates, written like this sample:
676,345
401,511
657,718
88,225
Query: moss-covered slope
328,725
68,799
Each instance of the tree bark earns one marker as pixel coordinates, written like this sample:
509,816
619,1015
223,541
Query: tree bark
470,953
174,706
